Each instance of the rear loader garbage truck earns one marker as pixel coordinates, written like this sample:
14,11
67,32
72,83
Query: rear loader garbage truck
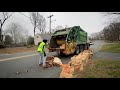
68,41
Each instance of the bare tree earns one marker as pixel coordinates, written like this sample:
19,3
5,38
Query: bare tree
8,39
30,40
26,35
15,30
110,13
41,24
38,21
112,32
34,18
59,27
23,37
113,17
94,35
3,18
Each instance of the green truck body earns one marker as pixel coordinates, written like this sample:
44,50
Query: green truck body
74,34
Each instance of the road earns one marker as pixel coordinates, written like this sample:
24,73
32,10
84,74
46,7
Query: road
107,55
97,44
25,65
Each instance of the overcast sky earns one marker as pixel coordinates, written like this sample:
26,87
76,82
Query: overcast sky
89,21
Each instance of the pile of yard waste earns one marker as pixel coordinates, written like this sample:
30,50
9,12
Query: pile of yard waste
53,61
70,48
74,66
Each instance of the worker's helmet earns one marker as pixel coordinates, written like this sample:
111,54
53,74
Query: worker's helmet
45,40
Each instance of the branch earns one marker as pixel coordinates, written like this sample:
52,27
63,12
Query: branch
3,22
37,24
5,18
4,14
0,21
115,13
32,20
10,14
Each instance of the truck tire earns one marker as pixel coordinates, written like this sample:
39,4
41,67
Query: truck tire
77,50
81,48
88,45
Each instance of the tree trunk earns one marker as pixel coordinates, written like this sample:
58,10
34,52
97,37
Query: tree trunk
34,30
0,34
1,39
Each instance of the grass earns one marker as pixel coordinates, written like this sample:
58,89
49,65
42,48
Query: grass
101,68
17,50
115,48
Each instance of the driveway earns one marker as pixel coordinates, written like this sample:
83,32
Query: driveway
107,55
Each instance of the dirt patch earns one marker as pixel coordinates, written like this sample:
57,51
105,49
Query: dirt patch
17,50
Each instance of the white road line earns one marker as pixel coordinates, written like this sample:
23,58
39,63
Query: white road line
17,53
18,57
20,53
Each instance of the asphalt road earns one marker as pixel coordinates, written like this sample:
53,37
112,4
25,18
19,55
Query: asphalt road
25,65
107,55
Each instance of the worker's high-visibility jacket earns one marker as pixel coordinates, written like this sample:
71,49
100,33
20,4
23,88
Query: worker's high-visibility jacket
41,47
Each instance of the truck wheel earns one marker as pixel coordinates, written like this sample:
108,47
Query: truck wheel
88,46
81,48
77,51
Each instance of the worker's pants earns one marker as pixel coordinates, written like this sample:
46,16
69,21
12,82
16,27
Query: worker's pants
42,59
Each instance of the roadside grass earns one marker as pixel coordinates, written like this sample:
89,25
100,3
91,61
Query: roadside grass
111,41
17,50
101,68
114,47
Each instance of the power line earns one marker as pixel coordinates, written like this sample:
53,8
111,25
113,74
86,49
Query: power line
29,17
43,14
24,15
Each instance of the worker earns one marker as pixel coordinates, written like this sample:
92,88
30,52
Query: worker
42,53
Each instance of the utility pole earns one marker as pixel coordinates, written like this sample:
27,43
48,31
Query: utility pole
50,23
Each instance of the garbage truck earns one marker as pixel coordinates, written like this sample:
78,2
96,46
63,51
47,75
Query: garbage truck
68,41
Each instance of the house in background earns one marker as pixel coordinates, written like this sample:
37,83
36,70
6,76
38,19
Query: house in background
39,38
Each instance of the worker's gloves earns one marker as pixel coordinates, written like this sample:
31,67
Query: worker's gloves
44,54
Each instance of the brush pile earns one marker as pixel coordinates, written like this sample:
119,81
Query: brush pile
74,66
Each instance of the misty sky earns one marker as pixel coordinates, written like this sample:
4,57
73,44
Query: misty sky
89,21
